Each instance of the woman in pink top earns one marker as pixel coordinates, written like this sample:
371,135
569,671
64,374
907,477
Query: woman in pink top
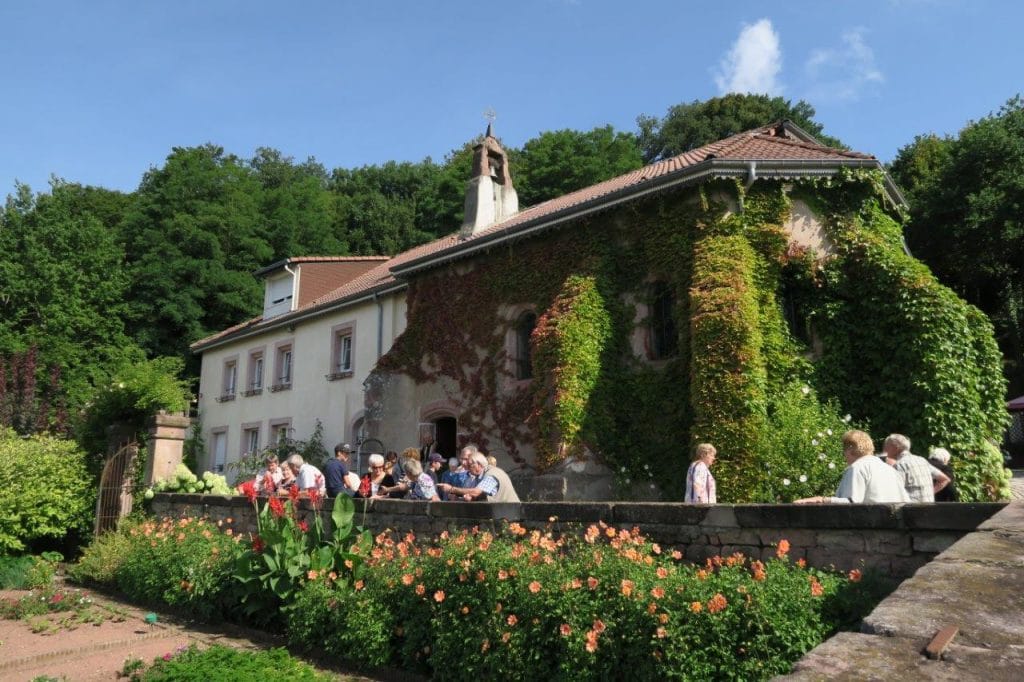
700,484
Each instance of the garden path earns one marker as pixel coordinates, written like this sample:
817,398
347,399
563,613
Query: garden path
91,653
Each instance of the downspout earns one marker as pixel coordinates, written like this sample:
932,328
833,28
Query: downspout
751,174
380,325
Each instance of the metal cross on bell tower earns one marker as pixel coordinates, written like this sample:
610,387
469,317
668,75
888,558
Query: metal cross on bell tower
490,114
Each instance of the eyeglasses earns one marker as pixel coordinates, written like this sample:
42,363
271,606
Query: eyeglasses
374,466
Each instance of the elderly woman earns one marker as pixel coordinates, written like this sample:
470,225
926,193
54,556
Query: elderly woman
700,484
939,458
375,479
417,484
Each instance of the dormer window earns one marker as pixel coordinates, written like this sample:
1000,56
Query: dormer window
279,295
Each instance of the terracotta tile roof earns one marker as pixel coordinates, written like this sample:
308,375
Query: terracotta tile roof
777,142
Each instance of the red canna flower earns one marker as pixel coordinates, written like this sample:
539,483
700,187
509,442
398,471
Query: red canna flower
276,507
303,526
365,487
294,493
314,496
855,576
249,490
257,544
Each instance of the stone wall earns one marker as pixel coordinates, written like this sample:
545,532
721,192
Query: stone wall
897,539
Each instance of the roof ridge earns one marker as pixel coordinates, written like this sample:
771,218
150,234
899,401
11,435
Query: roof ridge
816,146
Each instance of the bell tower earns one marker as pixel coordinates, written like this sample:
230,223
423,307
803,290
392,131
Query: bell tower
490,196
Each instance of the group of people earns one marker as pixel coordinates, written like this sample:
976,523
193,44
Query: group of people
472,476
897,475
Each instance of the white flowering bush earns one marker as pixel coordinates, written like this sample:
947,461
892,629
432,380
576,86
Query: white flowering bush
184,481
803,453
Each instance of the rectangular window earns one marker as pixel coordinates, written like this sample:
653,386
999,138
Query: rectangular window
280,430
229,380
284,366
219,450
256,379
250,440
342,351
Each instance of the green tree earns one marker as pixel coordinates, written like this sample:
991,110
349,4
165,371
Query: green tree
967,218
688,126
194,235
63,286
562,161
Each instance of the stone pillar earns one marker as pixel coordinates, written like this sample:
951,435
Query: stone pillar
166,445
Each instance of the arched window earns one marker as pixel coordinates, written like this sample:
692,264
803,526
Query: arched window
524,327
664,334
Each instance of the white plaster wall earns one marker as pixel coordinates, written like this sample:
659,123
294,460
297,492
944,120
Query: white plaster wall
335,403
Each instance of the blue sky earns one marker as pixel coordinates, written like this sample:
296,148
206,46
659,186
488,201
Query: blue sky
98,92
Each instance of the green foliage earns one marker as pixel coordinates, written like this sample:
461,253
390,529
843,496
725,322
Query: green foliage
965,219
135,394
184,563
44,491
688,126
287,550
184,481
608,606
979,473
28,572
727,381
568,349
220,663
562,161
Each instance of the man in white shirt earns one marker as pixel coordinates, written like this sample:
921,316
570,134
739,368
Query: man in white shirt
921,479
867,479
307,476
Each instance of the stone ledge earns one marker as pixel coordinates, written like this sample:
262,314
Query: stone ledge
860,516
949,516
475,510
566,512
669,513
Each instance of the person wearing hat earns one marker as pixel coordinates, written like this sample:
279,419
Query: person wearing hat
339,478
435,462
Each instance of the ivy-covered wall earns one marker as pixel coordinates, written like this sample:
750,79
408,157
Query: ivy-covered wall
779,349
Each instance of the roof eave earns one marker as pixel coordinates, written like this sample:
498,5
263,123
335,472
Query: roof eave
297,316
716,168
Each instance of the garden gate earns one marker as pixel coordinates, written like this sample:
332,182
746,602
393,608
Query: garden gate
116,488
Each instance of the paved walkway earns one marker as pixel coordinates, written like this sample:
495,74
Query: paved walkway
1017,485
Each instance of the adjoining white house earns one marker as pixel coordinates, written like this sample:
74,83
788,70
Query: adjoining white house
325,322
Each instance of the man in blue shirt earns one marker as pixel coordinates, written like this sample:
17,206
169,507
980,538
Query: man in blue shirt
336,473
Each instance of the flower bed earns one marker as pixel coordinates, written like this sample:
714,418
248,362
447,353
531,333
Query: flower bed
605,603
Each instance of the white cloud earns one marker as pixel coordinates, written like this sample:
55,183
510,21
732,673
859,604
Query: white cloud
843,72
754,62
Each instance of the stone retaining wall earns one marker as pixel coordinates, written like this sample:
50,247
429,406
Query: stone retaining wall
897,539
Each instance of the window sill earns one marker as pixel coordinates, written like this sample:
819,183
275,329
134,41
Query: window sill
280,387
251,392
226,398
334,376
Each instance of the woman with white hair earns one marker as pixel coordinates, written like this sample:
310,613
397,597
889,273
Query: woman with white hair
375,479
939,458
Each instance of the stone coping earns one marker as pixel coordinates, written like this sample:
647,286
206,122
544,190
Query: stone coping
954,516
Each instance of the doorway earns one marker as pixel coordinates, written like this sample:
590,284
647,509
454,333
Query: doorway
444,436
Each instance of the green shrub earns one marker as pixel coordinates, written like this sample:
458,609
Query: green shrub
103,558
980,474
28,572
224,664
46,492
608,606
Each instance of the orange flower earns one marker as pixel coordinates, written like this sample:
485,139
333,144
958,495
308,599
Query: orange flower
783,548
855,576
662,572
627,587
465,610
599,626
661,633
758,568
816,589
610,532
591,642
696,607
802,563
576,583
359,585
439,596
408,578
656,548
505,637
677,555
481,576
332,575
657,593
651,608
663,618
534,587
420,589
511,620
592,582
312,575
702,574
717,603
565,630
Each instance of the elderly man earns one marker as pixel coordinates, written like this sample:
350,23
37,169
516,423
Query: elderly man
486,483
921,479
307,476
338,478
867,479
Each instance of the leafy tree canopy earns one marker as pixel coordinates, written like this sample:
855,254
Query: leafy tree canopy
688,126
966,218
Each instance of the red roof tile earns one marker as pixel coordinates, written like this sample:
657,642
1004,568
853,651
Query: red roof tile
777,142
